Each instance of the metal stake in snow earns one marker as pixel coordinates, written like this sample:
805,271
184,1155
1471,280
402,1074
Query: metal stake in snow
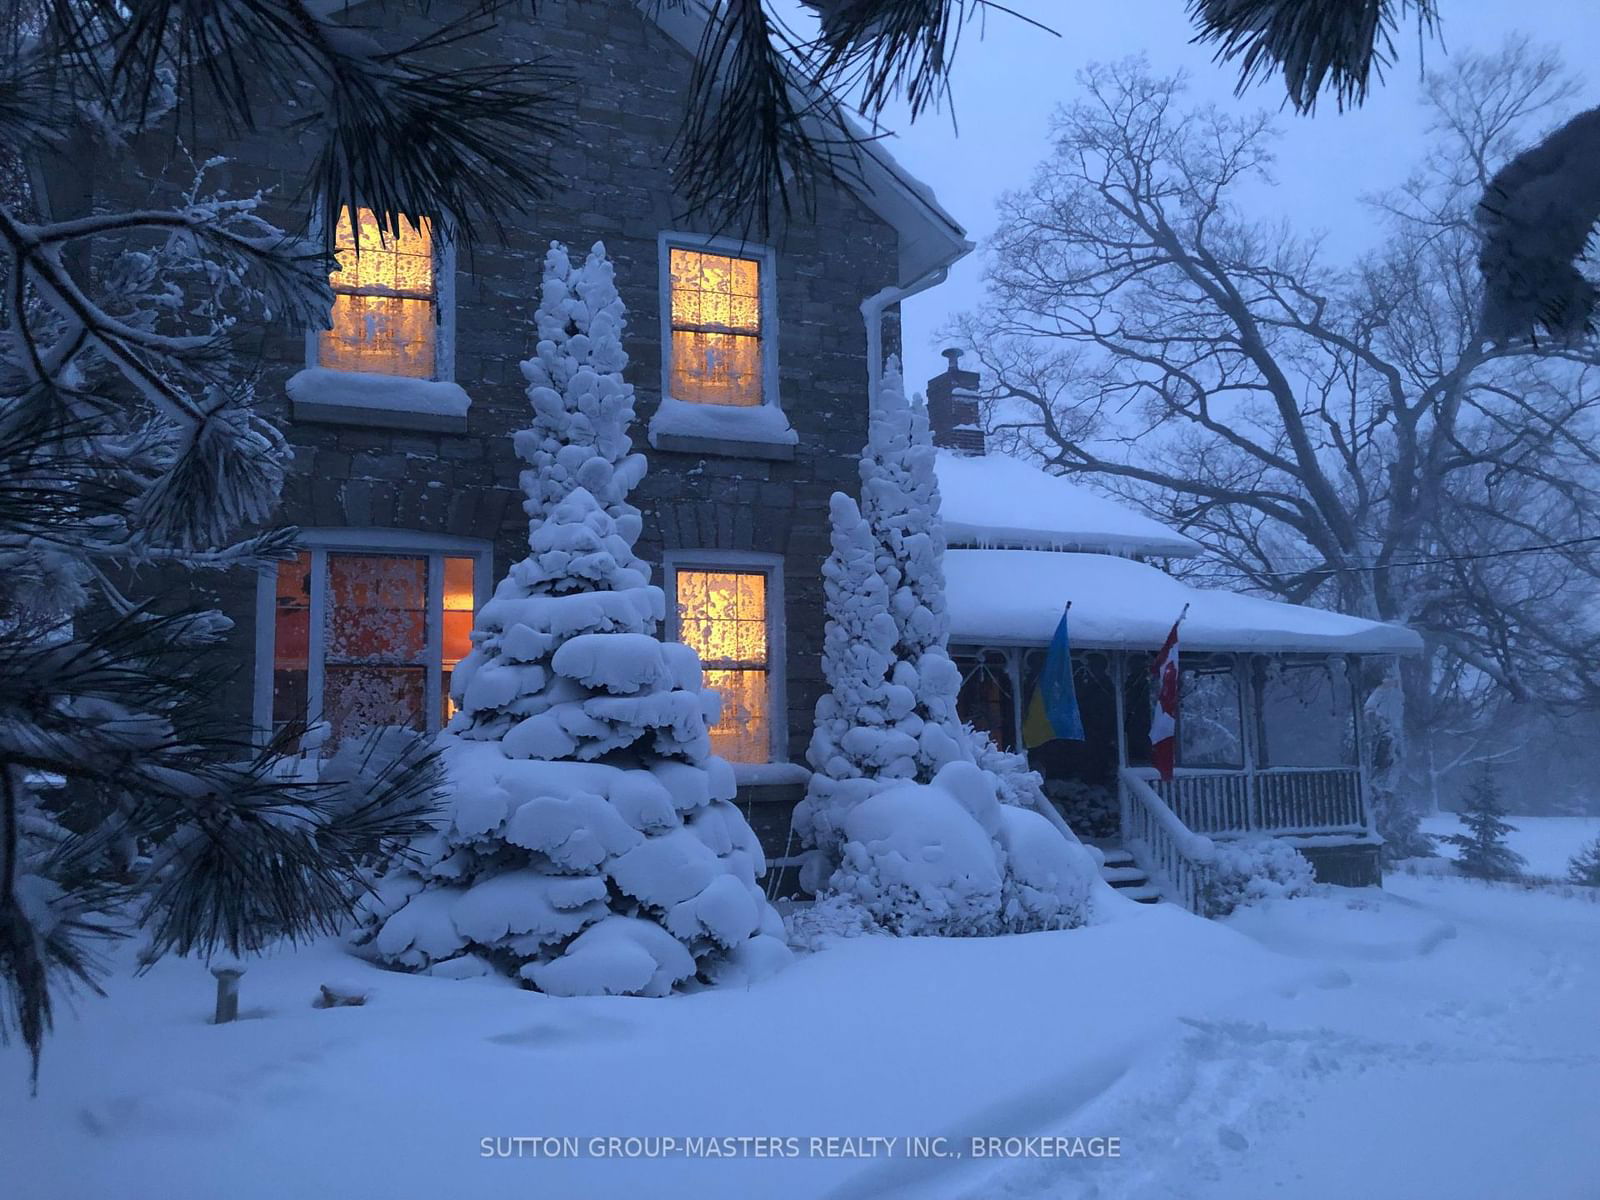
227,992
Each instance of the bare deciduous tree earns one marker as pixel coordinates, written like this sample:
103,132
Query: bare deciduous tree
1343,436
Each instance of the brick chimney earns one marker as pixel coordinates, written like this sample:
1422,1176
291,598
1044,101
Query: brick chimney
953,407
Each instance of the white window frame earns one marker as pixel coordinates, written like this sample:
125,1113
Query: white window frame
770,565
764,255
319,542
444,279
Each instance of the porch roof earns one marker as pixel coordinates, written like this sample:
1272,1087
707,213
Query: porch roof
997,500
1015,597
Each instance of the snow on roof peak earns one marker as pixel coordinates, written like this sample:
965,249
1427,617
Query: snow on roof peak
1000,501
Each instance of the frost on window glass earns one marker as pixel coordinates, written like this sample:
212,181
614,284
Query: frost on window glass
1210,728
291,641
1307,713
723,615
457,629
385,299
716,328
374,664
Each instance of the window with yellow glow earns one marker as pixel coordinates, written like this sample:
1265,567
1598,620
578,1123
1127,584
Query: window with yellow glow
716,328
385,299
369,639
723,615
456,641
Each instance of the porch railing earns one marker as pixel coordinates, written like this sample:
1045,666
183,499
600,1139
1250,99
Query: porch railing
1309,799
1273,800
1177,859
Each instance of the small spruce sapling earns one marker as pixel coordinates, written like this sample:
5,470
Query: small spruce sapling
1584,867
1484,852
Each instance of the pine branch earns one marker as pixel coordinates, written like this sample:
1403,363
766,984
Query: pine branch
1318,46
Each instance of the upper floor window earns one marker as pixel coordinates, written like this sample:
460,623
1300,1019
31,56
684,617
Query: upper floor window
385,299
365,637
716,353
726,616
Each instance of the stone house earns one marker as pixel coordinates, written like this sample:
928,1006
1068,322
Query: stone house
751,362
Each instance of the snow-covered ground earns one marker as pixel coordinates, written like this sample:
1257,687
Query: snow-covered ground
1436,1039
1548,843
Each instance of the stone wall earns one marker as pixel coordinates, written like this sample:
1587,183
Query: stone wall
612,183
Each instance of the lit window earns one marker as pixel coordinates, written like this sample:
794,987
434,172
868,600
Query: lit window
457,623
385,299
379,647
723,615
716,348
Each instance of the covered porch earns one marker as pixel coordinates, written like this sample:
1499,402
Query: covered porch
1269,737
1267,744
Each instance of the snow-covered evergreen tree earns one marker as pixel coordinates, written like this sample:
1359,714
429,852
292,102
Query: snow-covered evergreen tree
581,407
131,450
590,846
898,781
1584,867
900,504
1484,851
860,736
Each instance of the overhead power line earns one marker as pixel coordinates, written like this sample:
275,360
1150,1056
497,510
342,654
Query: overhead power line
1508,552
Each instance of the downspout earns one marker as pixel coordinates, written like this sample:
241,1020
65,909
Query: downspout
872,314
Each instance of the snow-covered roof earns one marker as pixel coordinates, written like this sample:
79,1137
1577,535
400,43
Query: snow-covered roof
1016,596
929,237
996,500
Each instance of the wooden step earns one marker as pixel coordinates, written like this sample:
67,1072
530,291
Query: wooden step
1117,858
1144,895
1116,875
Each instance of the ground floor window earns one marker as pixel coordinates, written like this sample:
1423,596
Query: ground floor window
367,636
728,615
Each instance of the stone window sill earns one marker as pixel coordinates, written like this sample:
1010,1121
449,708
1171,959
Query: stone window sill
328,397
761,431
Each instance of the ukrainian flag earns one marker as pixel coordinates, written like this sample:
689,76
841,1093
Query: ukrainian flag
1053,711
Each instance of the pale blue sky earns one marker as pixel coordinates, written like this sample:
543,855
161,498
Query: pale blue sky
1006,86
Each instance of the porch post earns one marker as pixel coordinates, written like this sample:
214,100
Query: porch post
1119,682
1250,699
1014,671
1363,797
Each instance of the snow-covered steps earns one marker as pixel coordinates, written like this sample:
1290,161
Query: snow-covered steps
1122,873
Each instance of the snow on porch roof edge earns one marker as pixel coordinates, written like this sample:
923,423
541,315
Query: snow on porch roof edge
1015,597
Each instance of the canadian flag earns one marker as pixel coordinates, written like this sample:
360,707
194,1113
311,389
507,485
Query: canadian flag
1164,717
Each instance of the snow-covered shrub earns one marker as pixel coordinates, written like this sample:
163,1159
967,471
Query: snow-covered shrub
1090,808
590,845
1248,870
1019,784
947,858
1047,879
1584,867
829,918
